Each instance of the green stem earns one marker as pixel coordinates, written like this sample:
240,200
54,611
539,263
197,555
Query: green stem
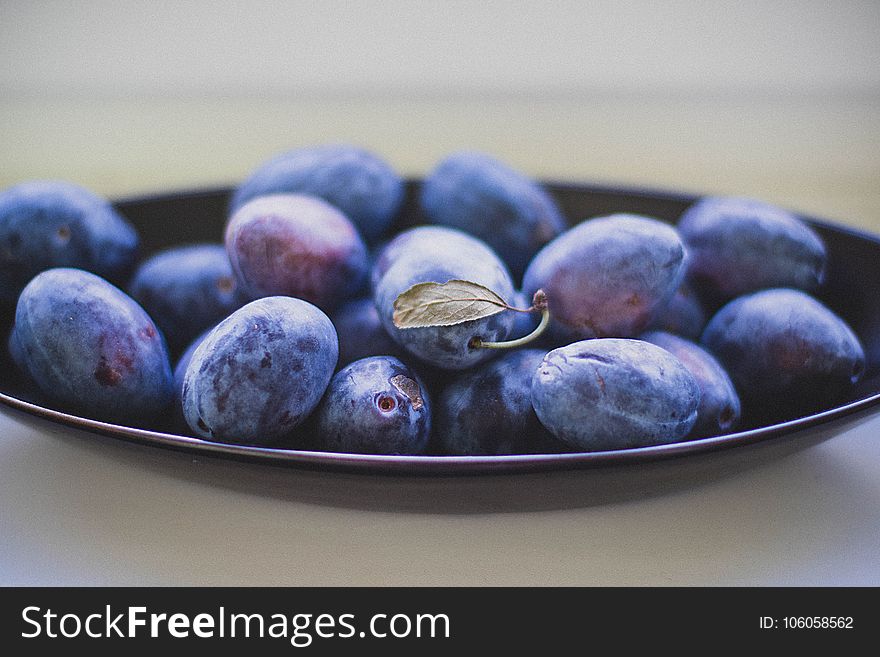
477,343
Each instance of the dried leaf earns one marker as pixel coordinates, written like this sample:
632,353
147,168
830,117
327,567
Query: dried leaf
445,304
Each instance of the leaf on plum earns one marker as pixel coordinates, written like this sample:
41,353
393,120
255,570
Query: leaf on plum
445,304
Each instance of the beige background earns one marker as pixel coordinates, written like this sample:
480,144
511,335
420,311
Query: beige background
776,100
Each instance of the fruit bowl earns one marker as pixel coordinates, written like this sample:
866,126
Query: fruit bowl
851,290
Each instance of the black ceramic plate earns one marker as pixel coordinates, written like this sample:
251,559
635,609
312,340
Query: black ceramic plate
852,290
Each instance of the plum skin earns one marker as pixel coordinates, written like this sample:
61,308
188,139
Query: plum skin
614,393
187,290
361,333
609,276
478,194
89,346
488,410
296,245
260,372
740,245
720,407
357,182
46,224
439,254
375,405
683,315
781,341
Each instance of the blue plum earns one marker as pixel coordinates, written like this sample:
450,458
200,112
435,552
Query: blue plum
375,405
782,346
608,277
478,194
361,333
296,245
615,393
740,245
439,254
683,315
90,347
260,372
364,187
186,290
46,224
719,409
488,410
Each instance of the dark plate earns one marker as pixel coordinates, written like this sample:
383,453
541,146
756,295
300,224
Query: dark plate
852,290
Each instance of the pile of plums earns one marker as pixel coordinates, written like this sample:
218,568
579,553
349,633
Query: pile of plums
286,335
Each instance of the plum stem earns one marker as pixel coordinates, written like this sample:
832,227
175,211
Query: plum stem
539,303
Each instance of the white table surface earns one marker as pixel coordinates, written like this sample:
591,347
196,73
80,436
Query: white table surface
77,509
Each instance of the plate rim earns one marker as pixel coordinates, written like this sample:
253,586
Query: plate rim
445,465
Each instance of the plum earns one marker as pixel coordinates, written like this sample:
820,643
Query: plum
437,254
375,405
609,276
614,393
488,410
739,245
296,245
186,290
260,372
782,347
364,187
480,195
719,409
90,347
48,223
